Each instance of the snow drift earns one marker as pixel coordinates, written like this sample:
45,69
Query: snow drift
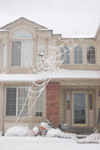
93,138
18,131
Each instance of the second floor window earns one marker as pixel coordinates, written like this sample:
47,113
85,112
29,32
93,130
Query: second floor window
65,55
90,55
22,48
41,54
78,55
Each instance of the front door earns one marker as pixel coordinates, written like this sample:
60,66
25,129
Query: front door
79,108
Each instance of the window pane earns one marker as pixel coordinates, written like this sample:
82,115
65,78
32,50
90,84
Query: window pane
16,53
11,102
22,34
39,104
26,53
4,55
22,98
78,59
41,53
65,55
90,55
68,101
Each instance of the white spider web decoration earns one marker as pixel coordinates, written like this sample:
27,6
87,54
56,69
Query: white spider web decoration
46,63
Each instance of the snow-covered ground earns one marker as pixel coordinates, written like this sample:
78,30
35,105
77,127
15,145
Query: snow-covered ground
43,143
22,138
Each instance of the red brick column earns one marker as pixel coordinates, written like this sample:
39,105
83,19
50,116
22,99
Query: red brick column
53,102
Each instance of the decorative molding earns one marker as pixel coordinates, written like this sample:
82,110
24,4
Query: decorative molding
77,82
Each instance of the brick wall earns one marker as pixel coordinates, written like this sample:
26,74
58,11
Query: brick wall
53,102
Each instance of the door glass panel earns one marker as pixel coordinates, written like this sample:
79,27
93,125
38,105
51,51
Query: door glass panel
79,108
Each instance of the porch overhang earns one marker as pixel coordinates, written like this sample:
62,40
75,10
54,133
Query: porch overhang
61,74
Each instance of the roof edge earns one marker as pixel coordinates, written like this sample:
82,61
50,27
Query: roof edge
22,18
97,32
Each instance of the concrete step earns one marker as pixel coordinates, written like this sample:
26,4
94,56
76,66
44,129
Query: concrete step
81,131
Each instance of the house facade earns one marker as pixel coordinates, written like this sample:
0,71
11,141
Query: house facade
71,97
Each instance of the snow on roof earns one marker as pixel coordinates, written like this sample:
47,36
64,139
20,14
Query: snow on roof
43,29
60,74
76,74
2,30
81,36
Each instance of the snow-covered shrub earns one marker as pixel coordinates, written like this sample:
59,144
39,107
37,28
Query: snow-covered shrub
35,131
58,133
55,133
93,138
18,131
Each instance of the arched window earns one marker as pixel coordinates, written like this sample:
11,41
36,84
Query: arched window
65,55
22,34
22,48
78,55
90,55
